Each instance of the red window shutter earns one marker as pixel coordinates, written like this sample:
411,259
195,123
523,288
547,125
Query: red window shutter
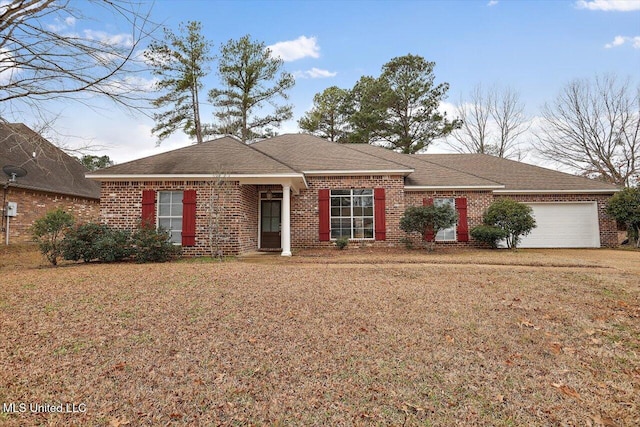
463,226
323,212
428,235
189,218
380,221
148,208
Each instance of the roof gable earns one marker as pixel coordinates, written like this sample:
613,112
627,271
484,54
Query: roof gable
48,168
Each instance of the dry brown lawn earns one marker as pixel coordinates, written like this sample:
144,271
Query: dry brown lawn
360,337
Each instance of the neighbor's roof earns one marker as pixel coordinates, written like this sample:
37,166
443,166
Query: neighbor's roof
48,168
313,155
223,156
518,176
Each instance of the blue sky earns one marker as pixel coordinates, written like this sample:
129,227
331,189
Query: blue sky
534,47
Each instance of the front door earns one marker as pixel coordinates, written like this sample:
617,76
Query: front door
270,224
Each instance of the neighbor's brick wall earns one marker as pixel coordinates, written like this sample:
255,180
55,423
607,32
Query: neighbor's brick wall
608,226
305,221
35,204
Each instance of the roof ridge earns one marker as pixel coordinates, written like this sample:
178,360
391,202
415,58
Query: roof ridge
268,155
352,148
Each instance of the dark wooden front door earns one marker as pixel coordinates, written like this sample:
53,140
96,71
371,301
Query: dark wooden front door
270,224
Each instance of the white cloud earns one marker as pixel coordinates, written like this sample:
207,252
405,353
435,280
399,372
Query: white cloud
314,73
299,48
620,40
492,3
609,5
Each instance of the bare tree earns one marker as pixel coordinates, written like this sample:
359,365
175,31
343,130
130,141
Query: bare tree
493,121
593,126
43,57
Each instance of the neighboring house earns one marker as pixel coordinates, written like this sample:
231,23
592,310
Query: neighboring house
54,180
300,191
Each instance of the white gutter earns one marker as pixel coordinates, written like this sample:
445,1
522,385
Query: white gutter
599,191
358,172
169,177
451,187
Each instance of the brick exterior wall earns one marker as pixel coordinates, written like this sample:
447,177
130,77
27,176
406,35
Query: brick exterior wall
477,203
35,204
305,222
233,210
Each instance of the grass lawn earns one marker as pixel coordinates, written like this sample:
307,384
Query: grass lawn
360,337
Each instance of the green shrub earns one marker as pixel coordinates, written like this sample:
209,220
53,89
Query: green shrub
418,219
624,206
113,245
151,245
407,242
49,231
488,234
513,217
342,242
92,241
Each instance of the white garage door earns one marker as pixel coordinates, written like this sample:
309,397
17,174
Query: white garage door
564,225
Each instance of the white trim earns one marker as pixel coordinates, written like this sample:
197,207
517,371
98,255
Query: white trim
600,191
165,177
285,221
451,187
359,172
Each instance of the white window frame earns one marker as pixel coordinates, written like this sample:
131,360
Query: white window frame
352,217
175,199
448,234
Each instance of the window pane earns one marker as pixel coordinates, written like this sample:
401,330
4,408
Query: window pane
165,197
275,223
346,211
265,224
164,223
340,192
275,209
176,209
357,211
164,209
335,211
335,201
367,211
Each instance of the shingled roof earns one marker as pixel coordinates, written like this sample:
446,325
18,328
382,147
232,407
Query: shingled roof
310,154
303,154
48,168
225,155
517,176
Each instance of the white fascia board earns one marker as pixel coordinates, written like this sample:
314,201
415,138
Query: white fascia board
451,187
164,177
600,191
359,172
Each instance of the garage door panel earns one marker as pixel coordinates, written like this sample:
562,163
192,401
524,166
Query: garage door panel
564,225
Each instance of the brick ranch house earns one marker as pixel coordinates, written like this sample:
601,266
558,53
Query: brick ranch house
54,180
300,191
